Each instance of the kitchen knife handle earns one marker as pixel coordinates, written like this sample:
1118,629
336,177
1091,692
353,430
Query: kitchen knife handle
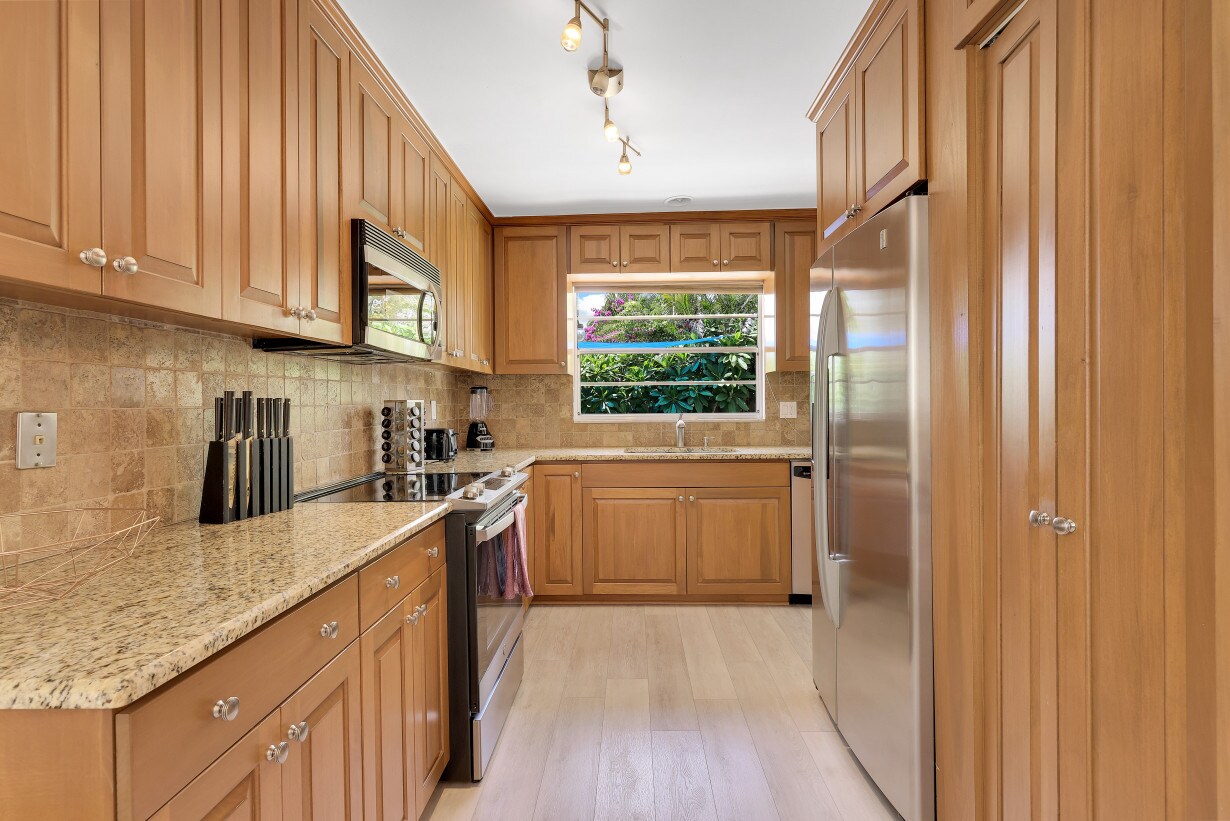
286,417
260,418
248,410
218,419
277,418
228,410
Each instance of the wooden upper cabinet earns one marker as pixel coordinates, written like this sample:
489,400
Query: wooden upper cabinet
593,249
374,137
457,291
162,140
323,773
480,308
738,540
241,784
835,161
746,246
869,120
531,312
888,92
644,249
696,247
634,541
557,529
795,244
438,199
260,164
50,197
431,727
388,670
410,201
324,145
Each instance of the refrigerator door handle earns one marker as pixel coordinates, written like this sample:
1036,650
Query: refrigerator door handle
826,567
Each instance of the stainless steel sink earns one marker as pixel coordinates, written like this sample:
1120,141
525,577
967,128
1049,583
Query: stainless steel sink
679,450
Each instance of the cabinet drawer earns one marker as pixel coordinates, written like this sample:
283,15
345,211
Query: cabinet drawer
389,579
165,740
681,473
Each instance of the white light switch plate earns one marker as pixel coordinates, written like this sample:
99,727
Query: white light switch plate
36,440
788,410
433,410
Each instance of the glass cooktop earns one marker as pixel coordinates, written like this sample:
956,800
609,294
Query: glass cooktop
417,487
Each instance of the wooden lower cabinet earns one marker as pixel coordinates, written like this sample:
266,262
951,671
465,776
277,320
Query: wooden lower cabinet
738,540
388,717
404,659
322,775
557,529
430,702
242,784
633,541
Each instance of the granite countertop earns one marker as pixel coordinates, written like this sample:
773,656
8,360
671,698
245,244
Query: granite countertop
480,462
189,591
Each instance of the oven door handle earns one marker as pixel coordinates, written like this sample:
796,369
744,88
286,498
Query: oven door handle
483,534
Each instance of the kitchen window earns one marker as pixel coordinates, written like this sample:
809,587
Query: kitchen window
643,356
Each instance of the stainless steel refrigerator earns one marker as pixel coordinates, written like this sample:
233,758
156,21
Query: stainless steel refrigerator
871,606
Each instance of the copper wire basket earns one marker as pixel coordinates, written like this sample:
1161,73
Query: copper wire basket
45,556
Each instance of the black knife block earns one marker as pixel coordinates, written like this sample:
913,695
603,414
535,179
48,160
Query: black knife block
267,487
217,500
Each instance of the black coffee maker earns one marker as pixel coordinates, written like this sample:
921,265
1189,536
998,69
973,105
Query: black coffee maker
478,437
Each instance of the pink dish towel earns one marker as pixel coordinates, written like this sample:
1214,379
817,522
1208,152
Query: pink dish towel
517,579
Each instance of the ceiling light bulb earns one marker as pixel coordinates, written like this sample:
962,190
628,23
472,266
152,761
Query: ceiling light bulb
625,165
571,38
611,130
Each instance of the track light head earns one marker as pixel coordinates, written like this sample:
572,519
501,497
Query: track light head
571,38
625,164
610,130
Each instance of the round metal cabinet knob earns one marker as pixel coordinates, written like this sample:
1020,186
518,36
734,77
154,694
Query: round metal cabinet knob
681,498
227,709
392,582
125,265
725,262
329,631
1063,526
1039,519
298,732
614,263
413,617
309,315
94,257
576,474
625,263
433,552
278,752
715,263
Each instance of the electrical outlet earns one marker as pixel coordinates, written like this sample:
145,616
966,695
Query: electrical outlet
36,440
433,410
788,410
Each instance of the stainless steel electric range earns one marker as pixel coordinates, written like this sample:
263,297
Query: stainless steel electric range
485,660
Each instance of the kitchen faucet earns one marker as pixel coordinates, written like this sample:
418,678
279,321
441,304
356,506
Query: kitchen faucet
680,428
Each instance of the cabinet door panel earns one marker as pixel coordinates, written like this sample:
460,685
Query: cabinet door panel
430,686
593,249
557,528
457,281
162,139
888,94
738,540
324,284
835,188
387,676
695,247
410,211
323,773
374,126
530,293
644,249
746,246
437,217
795,251
484,299
50,201
242,784
260,163
634,541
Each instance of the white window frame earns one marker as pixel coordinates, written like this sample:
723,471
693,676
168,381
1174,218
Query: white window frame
757,415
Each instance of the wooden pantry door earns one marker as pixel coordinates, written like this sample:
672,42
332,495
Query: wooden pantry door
1019,548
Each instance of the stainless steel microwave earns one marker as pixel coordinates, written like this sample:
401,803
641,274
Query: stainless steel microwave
396,303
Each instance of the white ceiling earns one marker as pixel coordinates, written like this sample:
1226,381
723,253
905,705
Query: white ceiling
715,97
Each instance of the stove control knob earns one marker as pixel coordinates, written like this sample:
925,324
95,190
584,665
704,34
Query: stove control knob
508,471
472,491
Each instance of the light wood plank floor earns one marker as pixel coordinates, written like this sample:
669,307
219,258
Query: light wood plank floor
661,712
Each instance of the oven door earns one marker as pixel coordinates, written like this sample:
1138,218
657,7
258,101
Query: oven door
498,620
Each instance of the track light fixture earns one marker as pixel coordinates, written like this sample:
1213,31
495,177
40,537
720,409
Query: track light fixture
625,164
606,82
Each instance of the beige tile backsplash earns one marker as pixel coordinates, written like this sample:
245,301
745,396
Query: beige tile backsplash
135,405
536,411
